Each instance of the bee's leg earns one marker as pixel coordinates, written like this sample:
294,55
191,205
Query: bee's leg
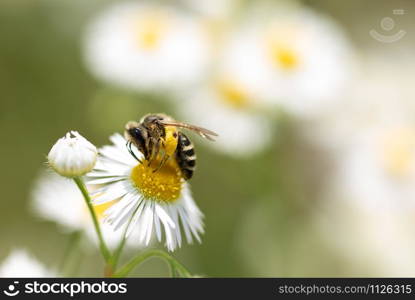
155,148
162,162
132,152
151,154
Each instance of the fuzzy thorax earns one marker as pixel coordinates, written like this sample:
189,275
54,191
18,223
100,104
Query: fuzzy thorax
171,139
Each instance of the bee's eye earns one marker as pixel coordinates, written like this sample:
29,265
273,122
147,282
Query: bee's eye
136,133
139,140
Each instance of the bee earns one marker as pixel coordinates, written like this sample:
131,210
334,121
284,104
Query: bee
159,134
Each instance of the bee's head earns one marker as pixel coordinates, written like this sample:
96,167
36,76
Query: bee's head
138,135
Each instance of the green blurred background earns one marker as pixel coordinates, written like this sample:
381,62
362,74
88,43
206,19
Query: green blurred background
259,212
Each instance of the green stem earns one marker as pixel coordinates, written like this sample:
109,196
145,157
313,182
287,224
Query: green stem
117,253
102,246
173,272
174,264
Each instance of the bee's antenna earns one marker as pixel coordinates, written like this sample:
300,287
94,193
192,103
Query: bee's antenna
128,145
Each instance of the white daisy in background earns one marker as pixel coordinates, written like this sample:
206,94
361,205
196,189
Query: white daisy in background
372,139
369,204
374,243
378,171
146,46
21,264
57,199
380,95
160,202
293,58
228,107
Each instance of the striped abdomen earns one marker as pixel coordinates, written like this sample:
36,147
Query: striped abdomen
185,156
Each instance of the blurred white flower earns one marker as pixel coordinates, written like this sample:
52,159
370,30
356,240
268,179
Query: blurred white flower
378,171
294,58
372,138
72,155
213,9
146,46
158,201
20,263
58,199
380,95
369,208
228,108
370,243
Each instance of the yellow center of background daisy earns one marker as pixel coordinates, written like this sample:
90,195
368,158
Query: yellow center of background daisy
150,29
233,94
398,152
284,57
280,44
163,185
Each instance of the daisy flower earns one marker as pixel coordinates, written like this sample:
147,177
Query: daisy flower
52,192
380,95
158,202
372,243
369,207
372,139
146,47
378,171
228,107
293,58
21,264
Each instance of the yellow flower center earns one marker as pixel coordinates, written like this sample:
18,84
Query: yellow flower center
233,94
163,185
280,45
150,30
284,57
398,152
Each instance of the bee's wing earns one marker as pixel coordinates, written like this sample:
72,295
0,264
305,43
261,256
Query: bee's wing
203,132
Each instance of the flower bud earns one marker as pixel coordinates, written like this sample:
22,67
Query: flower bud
72,155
